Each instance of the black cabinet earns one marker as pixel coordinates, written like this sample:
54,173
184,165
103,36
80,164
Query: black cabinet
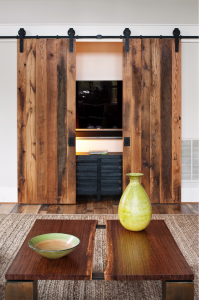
99,174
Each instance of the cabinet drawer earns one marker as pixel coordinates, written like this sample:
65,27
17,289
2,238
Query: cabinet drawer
111,185
89,189
86,184
111,170
85,159
91,166
86,169
111,161
111,167
111,173
86,192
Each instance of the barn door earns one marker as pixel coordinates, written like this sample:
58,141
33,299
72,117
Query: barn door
46,120
152,117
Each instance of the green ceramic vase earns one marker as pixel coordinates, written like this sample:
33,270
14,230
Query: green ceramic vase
135,210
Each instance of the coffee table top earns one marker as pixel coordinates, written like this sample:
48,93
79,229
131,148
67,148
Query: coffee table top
28,265
151,254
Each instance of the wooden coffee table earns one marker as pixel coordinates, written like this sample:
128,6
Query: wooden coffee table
28,266
151,254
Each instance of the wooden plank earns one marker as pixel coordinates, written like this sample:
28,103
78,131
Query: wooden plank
77,265
133,255
100,211
21,123
60,209
162,208
6,208
90,208
67,209
193,209
127,114
146,87
97,204
176,123
30,52
41,121
115,209
155,130
166,117
109,207
31,209
52,209
18,208
52,185
185,208
170,209
43,209
71,124
81,208
195,205
135,126
154,209
181,208
61,119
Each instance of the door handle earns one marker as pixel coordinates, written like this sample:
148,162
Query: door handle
126,141
71,141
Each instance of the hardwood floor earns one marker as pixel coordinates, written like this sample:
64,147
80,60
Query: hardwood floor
90,206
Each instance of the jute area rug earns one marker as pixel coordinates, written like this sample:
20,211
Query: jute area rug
15,227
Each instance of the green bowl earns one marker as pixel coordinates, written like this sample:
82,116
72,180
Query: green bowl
54,245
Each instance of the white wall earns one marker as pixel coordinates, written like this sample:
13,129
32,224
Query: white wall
95,11
190,108
190,80
86,145
8,121
99,60
8,94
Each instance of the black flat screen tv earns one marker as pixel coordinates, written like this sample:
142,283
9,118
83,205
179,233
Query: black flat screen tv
99,105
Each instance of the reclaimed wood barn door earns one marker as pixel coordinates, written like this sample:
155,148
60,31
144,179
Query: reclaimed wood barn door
46,118
152,117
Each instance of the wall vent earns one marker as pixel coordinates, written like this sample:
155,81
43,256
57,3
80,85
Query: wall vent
190,159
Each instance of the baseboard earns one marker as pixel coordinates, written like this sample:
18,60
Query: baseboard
190,202
8,195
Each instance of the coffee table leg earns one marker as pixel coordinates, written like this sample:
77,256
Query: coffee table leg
174,290
21,290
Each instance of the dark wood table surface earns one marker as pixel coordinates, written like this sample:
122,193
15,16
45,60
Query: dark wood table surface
151,254
77,265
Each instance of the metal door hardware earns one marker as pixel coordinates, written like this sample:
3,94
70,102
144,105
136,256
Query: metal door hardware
71,141
176,34
71,33
127,141
21,34
127,34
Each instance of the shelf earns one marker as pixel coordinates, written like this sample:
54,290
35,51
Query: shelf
100,155
99,137
98,134
99,129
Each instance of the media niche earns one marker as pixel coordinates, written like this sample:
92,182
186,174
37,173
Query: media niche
99,108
